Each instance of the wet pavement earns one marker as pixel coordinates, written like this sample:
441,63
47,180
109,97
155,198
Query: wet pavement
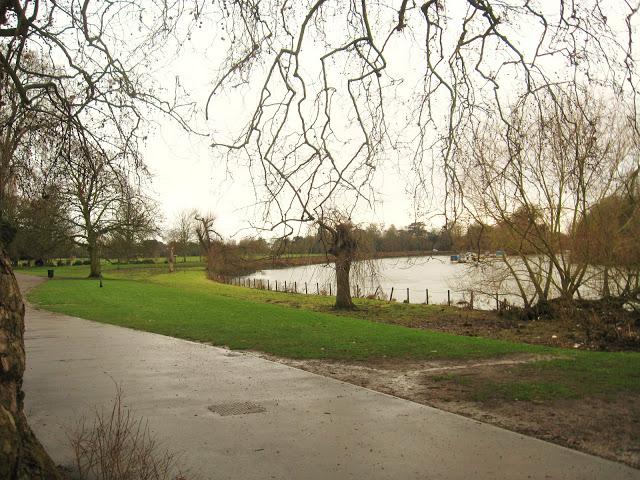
234,415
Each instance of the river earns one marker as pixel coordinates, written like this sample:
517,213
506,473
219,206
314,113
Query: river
439,276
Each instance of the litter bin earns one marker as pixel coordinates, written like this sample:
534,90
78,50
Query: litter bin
50,273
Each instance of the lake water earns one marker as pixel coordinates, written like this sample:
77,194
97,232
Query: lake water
437,274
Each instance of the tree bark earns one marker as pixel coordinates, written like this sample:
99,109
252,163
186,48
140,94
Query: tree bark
343,285
94,258
22,456
344,247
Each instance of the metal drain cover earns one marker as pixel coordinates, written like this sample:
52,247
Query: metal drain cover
236,408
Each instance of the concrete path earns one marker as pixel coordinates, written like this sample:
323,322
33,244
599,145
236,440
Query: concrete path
312,427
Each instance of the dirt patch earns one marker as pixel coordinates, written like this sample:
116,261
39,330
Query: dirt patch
577,333
608,427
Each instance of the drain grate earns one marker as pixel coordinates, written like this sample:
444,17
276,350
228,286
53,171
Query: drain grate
236,408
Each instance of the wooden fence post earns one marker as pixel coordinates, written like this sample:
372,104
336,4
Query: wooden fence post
449,297
427,290
391,295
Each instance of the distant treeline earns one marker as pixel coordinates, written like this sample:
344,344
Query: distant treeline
375,238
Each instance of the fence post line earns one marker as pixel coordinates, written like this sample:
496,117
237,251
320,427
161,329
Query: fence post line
391,294
497,303
318,288
276,285
330,293
285,286
305,289
427,290
295,287
471,299
268,284
449,297
407,295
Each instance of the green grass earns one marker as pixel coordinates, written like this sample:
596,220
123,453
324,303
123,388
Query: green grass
186,305
110,269
577,375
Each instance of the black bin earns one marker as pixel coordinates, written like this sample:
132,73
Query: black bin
50,273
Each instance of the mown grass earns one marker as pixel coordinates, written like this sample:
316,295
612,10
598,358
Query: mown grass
186,305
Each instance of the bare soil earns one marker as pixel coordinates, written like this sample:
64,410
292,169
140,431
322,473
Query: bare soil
584,332
603,426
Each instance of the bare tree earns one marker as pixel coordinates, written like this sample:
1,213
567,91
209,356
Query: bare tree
93,192
349,251
43,228
538,184
136,219
183,231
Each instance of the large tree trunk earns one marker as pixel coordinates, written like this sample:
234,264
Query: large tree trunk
94,258
343,286
344,248
22,457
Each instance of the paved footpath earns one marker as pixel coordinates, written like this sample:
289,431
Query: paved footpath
311,427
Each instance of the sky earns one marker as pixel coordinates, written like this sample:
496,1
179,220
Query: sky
188,173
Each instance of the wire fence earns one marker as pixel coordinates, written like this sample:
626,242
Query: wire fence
459,298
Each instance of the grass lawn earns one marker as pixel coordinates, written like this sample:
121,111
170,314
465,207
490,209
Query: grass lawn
186,305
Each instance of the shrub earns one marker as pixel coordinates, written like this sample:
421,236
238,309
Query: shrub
118,446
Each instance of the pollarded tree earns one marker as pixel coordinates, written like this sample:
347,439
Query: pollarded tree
350,251
341,242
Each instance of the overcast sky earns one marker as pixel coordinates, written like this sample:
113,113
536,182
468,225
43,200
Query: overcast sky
188,173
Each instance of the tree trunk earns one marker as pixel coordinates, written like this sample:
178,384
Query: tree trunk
94,258
606,291
21,454
343,286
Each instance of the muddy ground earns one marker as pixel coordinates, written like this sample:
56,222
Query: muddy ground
603,426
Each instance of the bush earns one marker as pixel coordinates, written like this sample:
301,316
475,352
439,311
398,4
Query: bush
118,446
142,261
